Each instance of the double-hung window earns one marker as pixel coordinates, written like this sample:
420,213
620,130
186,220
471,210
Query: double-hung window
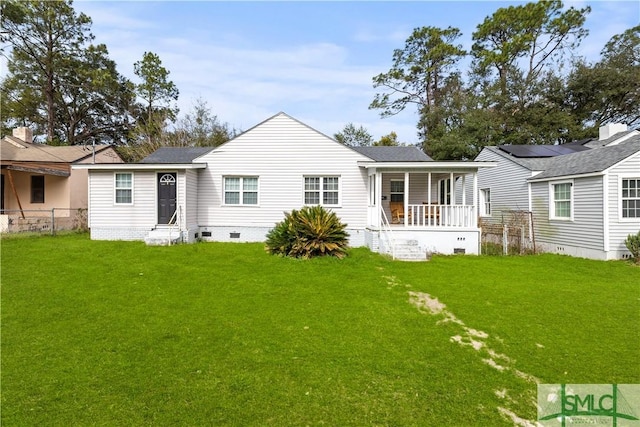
322,190
124,188
485,202
562,200
397,190
630,198
241,190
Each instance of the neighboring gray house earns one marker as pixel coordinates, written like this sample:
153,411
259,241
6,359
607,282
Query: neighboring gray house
584,196
390,197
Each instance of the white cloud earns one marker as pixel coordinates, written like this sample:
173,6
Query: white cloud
247,70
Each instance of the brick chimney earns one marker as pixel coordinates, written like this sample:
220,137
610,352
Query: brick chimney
610,129
24,134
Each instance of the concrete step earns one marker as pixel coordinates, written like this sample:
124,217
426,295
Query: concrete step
409,250
162,237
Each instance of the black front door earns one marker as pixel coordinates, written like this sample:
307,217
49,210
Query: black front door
166,197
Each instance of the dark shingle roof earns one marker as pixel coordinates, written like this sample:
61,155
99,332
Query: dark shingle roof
537,151
176,154
595,143
591,161
394,154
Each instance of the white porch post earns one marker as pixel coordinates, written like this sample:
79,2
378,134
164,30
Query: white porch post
378,184
465,212
429,190
464,189
475,211
406,197
452,189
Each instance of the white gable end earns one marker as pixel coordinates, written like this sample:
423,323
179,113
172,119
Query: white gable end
280,152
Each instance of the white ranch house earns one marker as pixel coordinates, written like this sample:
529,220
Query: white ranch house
395,200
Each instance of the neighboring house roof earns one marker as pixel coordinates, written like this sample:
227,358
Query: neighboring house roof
591,161
176,155
595,143
530,151
16,154
394,154
15,150
531,163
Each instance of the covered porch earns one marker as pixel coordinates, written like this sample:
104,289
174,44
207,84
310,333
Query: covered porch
423,197
432,205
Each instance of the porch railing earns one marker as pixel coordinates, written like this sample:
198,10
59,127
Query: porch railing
173,222
425,215
386,233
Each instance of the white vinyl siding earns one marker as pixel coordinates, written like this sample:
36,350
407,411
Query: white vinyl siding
105,214
123,188
585,231
282,152
191,198
507,183
620,227
240,190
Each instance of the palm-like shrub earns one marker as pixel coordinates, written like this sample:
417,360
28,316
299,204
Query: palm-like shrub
633,244
309,232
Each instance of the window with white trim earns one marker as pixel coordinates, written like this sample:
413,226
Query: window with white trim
322,190
444,191
485,202
123,188
630,198
397,190
562,200
240,190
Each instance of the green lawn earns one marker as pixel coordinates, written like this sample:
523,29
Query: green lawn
120,334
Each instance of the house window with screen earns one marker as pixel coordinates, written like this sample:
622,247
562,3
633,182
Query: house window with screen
124,188
631,198
241,190
37,189
397,190
485,202
322,190
562,200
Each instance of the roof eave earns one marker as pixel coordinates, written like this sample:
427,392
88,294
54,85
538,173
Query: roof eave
434,165
573,176
139,166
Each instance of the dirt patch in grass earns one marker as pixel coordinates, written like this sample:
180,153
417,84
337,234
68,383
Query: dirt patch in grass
477,340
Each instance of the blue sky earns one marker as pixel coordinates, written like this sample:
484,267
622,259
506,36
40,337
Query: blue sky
312,60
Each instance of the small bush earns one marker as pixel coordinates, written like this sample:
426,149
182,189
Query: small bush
312,231
633,244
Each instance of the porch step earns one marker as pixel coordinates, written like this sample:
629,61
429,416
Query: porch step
162,237
409,250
